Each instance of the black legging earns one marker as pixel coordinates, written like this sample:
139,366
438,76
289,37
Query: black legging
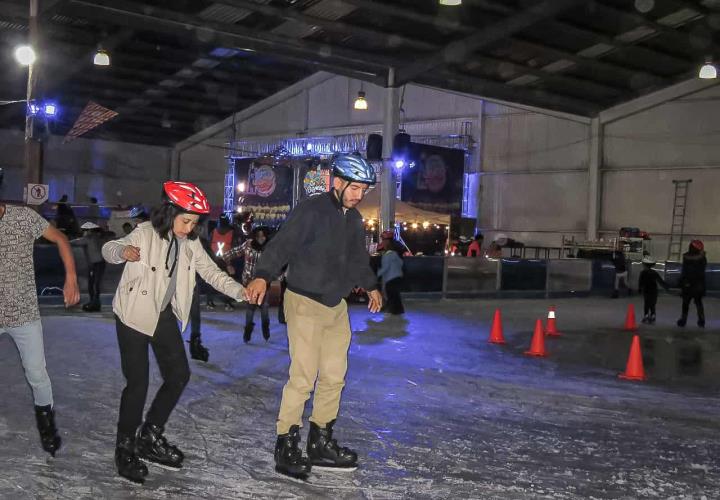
95,276
169,352
697,297
394,301
264,311
650,301
195,320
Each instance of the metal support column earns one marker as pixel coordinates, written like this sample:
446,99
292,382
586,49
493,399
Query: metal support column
33,145
391,120
594,179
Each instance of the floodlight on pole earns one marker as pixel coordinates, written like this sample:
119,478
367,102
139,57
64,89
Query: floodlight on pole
25,55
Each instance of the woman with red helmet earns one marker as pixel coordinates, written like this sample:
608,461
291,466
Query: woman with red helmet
161,258
692,282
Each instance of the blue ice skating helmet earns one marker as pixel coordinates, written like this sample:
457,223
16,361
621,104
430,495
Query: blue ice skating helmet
353,168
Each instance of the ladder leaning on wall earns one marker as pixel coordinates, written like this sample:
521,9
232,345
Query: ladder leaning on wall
677,229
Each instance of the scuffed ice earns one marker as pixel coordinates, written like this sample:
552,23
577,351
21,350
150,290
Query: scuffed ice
434,411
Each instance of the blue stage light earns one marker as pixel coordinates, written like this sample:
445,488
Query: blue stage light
51,109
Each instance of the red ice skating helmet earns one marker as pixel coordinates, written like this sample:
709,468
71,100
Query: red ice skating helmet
187,196
697,244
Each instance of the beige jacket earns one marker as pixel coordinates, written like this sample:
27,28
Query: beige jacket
143,283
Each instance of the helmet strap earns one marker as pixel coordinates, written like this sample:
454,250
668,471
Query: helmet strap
341,194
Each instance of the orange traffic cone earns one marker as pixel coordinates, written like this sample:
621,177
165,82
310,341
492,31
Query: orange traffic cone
634,370
496,332
630,324
537,346
551,329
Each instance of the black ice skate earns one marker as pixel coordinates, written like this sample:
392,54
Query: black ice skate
127,462
248,331
324,452
266,331
91,307
153,447
197,350
288,455
45,418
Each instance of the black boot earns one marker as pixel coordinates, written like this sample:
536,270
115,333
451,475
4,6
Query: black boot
127,462
45,418
266,330
288,455
682,321
248,331
153,447
197,350
324,452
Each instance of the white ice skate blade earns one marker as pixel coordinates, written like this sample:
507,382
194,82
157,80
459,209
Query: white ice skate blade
330,468
298,478
162,466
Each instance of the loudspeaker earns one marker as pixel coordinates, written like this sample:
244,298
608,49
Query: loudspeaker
401,145
374,147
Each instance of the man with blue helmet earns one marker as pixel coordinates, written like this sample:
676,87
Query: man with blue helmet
323,244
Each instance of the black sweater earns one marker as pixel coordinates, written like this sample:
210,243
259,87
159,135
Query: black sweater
324,249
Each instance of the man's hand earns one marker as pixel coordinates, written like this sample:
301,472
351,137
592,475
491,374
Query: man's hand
131,253
255,291
230,270
71,292
375,301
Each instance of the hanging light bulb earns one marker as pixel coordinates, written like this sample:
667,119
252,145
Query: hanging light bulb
451,3
102,58
360,102
25,55
708,71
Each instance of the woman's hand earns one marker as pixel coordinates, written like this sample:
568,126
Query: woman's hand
131,253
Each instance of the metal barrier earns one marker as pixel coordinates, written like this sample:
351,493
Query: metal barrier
452,276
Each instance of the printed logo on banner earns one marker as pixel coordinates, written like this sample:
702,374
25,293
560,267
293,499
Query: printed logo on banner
264,181
316,181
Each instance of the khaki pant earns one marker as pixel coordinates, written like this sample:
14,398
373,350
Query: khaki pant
319,338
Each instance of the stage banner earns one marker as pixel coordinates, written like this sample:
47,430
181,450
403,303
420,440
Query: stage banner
264,189
435,181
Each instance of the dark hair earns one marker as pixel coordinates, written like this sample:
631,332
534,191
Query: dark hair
163,218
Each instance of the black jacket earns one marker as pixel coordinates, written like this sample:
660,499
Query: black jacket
324,249
692,278
648,284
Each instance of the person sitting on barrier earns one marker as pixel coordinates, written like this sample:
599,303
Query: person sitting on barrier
692,281
475,248
648,287
621,273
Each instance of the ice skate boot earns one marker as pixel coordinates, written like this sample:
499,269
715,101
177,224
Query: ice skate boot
153,447
49,438
288,455
197,350
324,452
127,462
